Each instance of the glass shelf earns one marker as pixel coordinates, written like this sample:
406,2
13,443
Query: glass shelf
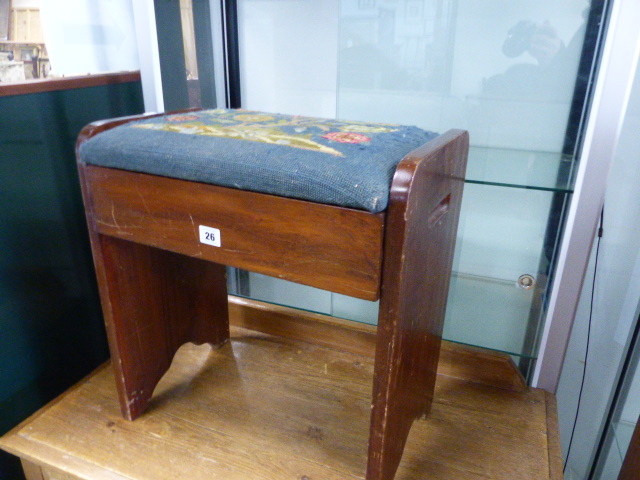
488,313
481,311
527,169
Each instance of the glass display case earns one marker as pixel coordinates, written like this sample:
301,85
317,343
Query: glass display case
599,391
514,74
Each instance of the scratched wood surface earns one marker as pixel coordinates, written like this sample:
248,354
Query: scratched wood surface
402,257
468,363
333,248
420,236
265,407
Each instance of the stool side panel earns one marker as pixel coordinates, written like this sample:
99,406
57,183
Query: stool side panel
421,231
328,247
157,295
167,300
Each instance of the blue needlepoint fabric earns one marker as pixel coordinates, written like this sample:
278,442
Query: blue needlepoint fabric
343,163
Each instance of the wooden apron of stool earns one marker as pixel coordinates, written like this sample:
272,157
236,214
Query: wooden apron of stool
161,287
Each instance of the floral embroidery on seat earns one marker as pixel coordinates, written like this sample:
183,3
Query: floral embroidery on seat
346,137
182,118
305,133
366,128
256,117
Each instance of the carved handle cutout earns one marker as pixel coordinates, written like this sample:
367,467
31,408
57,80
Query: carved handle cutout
440,211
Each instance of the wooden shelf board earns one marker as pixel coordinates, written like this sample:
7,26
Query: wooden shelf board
267,407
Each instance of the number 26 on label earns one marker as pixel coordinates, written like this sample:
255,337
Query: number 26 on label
210,236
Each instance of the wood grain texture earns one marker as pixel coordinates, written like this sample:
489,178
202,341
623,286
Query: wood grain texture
32,471
332,248
153,302
67,83
556,463
464,362
478,365
141,223
267,408
49,473
420,234
294,324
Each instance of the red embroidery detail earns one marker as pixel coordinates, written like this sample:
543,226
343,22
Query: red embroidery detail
182,118
346,137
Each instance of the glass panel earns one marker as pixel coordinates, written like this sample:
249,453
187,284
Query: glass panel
505,71
282,292
520,169
629,415
500,239
619,432
610,311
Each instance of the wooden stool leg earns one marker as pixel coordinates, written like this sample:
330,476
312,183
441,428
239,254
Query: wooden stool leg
404,380
422,221
154,301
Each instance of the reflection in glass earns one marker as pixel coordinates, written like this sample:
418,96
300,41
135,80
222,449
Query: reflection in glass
505,71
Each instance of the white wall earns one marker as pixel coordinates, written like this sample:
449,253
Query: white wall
289,56
26,3
88,36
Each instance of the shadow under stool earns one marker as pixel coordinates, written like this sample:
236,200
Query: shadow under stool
365,210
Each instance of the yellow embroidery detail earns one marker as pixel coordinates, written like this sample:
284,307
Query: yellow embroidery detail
274,136
263,128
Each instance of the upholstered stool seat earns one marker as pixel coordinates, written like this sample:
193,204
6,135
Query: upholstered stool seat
349,164
367,210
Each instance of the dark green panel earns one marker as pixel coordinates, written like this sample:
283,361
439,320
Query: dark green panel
51,328
171,51
204,52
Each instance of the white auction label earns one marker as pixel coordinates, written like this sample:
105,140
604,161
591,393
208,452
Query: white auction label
210,236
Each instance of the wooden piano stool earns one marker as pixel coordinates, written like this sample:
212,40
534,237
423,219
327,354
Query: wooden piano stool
366,210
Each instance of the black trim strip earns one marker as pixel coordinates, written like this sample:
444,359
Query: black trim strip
232,53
